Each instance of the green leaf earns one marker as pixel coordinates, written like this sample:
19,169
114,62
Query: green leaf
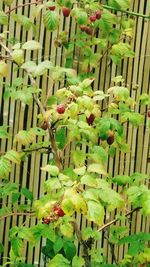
80,170
89,180
25,137
37,70
98,154
82,18
3,18
146,206
38,131
3,69
44,205
68,206
13,156
121,179
51,20
58,245
53,170
23,20
26,234
77,200
52,100
79,157
144,256
27,193
135,238
52,184
8,188
5,211
122,50
78,261
96,257
120,92
97,168
110,198
112,151
144,99
31,45
5,168
59,261
119,4
17,246
61,137
25,96
42,67
114,36
67,229
37,10
30,66
95,212
3,131
69,249
15,197
106,22
88,232
43,230
138,177
135,118
90,194
18,56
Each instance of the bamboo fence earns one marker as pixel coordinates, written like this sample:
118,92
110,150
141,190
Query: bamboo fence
136,71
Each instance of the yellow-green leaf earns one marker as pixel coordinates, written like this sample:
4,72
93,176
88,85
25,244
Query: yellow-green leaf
95,212
97,168
13,156
53,170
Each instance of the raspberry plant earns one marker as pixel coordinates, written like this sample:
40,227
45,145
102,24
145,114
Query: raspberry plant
74,114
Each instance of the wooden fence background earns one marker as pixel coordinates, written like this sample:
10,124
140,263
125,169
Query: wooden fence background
17,116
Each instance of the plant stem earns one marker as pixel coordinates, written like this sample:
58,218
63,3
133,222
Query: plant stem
112,250
17,214
23,5
126,12
85,247
29,150
115,220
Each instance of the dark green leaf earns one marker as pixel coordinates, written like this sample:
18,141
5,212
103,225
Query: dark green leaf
27,193
70,250
61,137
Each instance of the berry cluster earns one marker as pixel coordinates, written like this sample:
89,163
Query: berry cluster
95,16
65,10
57,212
88,29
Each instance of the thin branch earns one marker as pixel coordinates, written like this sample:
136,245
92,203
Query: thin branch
23,5
5,47
112,249
5,57
17,214
29,150
83,243
115,220
126,12
109,47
